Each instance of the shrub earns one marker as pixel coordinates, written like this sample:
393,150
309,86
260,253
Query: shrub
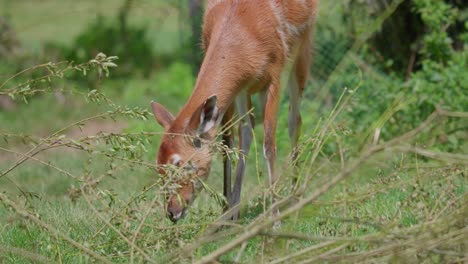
440,81
131,45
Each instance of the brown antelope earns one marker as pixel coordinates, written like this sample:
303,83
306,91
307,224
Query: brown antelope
247,45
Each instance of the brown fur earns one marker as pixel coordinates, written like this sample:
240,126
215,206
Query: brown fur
245,42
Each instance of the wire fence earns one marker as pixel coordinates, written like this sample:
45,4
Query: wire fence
94,223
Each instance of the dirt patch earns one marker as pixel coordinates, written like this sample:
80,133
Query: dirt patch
95,127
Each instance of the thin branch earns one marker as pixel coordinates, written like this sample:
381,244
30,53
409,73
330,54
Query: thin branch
143,219
437,155
35,150
51,229
324,255
25,254
303,251
24,71
148,258
255,228
48,164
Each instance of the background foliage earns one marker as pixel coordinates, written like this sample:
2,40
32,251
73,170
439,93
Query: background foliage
77,172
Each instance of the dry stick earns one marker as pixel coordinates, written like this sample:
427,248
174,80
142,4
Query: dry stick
255,229
140,225
449,253
131,200
50,229
31,157
323,135
45,77
148,258
36,149
107,155
416,240
37,91
443,156
25,254
122,209
241,252
21,160
43,162
321,256
213,233
303,251
366,238
460,260
453,114
455,236
23,71
410,239
213,236
40,161
449,204
392,247
30,152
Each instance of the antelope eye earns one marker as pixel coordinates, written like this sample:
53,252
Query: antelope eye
197,184
196,142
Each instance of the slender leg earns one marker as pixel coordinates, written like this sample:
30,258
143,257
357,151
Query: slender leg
269,141
228,142
296,85
245,140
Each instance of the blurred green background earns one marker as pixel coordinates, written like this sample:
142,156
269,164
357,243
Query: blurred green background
400,60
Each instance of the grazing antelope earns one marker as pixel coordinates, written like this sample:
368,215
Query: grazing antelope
247,45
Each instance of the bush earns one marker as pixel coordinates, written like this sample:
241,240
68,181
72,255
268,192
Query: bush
440,81
131,45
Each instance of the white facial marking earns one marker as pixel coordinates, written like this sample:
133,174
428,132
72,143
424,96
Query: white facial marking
177,216
175,158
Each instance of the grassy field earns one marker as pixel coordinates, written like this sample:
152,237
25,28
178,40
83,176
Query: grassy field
97,197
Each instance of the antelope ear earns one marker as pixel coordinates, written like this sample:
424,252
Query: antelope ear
206,116
164,117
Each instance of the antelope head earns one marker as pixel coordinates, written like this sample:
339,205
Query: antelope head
185,148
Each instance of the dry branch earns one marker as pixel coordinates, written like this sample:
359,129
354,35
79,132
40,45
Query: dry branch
51,229
148,258
256,228
25,254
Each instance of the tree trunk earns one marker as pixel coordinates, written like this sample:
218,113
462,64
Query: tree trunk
196,16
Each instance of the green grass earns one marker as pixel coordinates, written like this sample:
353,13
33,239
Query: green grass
387,193
391,194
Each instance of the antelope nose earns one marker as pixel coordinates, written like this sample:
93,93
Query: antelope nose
174,214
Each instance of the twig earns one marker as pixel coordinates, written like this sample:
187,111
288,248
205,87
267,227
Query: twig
122,209
25,254
303,251
240,253
32,152
24,71
254,229
52,230
324,255
143,219
48,164
444,156
148,258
